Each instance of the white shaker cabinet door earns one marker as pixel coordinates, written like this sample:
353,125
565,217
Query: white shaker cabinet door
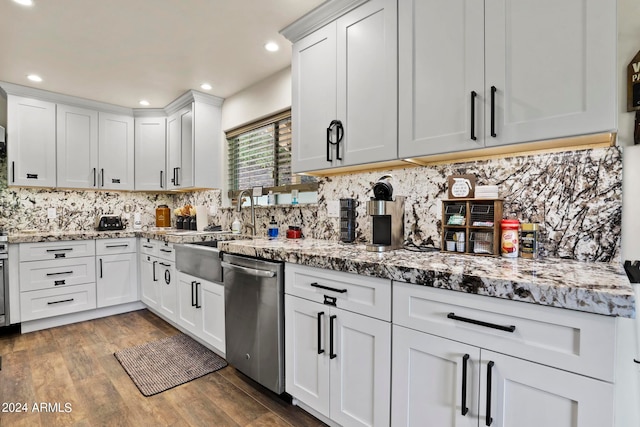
526,394
367,83
213,326
441,76
149,281
167,289
115,152
429,387
77,146
553,64
31,142
150,153
360,369
117,281
180,149
313,66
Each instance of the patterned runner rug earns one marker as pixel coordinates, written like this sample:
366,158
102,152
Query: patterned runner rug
160,365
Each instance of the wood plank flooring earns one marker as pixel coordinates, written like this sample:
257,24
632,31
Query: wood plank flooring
72,371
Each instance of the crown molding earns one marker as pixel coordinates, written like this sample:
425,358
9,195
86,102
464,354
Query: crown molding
190,96
317,18
58,98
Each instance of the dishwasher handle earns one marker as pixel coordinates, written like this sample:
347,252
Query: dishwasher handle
251,271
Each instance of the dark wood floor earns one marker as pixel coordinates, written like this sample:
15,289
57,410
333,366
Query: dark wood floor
73,367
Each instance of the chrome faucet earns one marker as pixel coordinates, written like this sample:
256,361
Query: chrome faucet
252,226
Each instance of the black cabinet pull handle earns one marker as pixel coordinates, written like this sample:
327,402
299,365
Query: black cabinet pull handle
340,135
465,359
62,272
510,328
126,245
337,124
493,111
60,250
13,171
317,285
473,115
197,299
94,177
320,349
102,176
636,361
147,246
153,266
164,265
59,302
332,355
161,180
59,282
166,250
178,176
489,420
101,268
167,277
193,303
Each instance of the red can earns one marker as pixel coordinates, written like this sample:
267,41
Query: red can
509,242
294,232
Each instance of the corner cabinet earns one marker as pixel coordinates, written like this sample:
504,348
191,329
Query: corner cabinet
481,74
193,148
31,142
344,105
150,153
489,374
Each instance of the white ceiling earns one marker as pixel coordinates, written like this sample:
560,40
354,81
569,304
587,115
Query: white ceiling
122,51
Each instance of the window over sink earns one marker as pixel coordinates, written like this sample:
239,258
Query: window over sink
260,156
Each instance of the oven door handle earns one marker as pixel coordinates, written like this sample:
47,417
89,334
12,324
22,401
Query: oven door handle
251,271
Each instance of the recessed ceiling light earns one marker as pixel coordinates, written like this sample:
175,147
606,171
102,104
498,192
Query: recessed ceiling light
144,102
24,2
205,86
272,47
34,78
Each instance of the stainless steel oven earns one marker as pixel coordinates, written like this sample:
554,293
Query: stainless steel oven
4,281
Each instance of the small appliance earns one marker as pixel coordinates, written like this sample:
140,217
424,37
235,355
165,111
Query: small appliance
387,217
109,223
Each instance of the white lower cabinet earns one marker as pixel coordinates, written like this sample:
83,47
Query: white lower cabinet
200,309
166,279
158,279
462,381
148,281
338,362
117,271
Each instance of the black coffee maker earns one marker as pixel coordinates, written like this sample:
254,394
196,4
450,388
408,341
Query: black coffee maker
387,217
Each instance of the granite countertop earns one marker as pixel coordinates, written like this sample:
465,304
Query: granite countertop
600,288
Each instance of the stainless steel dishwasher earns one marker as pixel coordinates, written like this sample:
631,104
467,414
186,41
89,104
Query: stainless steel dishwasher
254,318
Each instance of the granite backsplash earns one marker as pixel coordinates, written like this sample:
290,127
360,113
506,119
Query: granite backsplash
576,196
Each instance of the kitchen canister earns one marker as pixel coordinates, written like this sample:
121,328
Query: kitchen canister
163,216
529,240
509,241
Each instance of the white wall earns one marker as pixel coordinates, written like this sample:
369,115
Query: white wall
628,46
264,98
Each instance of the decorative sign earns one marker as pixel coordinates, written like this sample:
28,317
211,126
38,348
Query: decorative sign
633,94
633,84
461,186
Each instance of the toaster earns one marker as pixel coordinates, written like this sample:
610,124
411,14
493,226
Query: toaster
109,222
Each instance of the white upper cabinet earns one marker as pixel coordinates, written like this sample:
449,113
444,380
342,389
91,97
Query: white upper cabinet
475,74
115,152
344,75
150,156
77,147
193,142
31,142
441,51
553,65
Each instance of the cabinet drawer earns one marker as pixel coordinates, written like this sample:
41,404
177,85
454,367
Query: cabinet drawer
116,246
166,251
577,342
36,275
56,250
149,247
54,302
361,294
